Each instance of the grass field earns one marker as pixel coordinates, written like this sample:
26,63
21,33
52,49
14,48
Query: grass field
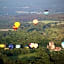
27,55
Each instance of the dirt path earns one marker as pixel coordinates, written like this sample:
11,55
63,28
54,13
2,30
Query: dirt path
5,29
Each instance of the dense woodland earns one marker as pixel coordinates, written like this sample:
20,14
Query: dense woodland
41,33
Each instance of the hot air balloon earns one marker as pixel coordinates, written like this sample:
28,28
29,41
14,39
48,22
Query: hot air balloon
11,46
46,12
16,25
35,45
27,47
31,45
18,46
51,45
62,44
2,45
57,49
6,48
35,21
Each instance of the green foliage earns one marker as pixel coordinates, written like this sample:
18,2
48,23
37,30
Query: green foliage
42,34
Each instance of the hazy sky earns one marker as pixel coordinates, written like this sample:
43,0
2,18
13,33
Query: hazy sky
32,5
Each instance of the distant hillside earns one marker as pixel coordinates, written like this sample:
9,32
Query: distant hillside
30,17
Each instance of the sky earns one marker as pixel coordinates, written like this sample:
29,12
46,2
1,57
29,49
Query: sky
7,6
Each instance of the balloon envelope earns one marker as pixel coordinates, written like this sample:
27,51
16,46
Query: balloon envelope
26,47
17,24
57,49
31,45
6,48
18,46
46,12
35,21
62,44
2,45
35,45
11,46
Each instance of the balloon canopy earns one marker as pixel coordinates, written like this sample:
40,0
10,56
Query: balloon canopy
6,48
16,25
26,46
2,45
11,46
33,45
46,12
62,44
35,21
18,46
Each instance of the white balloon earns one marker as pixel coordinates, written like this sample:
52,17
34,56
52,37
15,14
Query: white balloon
18,46
62,44
31,45
35,45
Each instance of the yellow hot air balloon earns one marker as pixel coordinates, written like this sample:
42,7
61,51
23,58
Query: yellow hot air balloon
17,24
2,45
35,21
6,48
